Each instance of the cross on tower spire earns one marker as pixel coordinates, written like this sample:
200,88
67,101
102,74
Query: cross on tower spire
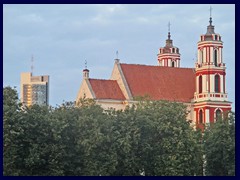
210,21
169,30
169,26
85,64
210,11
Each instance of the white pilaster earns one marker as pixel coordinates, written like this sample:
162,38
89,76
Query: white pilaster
206,115
220,55
221,83
211,83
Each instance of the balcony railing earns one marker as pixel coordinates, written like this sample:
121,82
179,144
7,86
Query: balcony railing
197,65
210,96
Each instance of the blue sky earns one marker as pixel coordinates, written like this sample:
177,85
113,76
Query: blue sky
62,37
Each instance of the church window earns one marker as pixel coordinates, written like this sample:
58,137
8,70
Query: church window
217,83
218,114
202,56
215,57
172,63
200,84
173,50
216,37
200,117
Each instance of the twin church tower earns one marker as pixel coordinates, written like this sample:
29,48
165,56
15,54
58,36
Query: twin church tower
202,89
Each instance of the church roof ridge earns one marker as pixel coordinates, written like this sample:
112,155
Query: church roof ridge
101,79
156,66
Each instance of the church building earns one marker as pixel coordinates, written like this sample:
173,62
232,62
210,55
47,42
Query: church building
202,88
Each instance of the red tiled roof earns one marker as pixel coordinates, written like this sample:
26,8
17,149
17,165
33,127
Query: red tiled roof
106,89
160,83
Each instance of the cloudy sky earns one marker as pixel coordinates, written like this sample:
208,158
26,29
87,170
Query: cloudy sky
62,37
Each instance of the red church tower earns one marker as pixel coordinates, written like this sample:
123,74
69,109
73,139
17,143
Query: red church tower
210,97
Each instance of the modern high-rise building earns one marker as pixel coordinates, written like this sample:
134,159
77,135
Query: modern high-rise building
34,89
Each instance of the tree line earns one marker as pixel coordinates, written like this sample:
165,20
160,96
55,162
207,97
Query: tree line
150,139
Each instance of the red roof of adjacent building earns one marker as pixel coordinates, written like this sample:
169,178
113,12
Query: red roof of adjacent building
106,89
160,83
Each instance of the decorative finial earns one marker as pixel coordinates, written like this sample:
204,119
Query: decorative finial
210,21
85,64
117,54
32,60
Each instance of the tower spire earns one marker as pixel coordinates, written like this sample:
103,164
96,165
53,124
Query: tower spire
169,41
210,27
169,36
210,21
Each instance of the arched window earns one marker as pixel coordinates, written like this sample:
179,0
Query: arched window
215,57
200,117
217,83
218,114
200,84
172,63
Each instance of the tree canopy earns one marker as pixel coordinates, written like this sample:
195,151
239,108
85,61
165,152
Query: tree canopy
151,139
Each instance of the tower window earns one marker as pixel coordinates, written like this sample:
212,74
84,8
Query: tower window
216,37
200,84
202,56
217,83
215,57
218,115
200,117
173,50
172,63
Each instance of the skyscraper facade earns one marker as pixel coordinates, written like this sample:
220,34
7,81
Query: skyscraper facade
34,89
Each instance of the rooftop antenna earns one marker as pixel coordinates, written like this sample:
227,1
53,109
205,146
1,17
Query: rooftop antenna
32,60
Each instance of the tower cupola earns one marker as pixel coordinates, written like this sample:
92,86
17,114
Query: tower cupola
169,55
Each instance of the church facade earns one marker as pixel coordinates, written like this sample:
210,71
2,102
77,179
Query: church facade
202,88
